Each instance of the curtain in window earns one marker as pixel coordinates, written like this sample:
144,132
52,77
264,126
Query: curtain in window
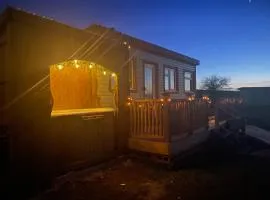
74,88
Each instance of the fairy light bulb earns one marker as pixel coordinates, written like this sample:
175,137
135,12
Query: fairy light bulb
104,72
91,66
60,67
113,74
77,66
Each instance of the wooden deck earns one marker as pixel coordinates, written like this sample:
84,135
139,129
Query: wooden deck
167,128
177,145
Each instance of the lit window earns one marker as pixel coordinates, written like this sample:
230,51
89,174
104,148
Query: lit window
112,83
132,74
188,81
169,79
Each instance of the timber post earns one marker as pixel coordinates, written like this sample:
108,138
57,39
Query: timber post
166,122
123,118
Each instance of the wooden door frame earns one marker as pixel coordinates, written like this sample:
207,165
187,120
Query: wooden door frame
156,75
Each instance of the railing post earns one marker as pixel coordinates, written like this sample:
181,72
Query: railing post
166,122
191,116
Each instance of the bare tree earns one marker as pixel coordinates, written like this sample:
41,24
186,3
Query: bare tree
215,82
212,84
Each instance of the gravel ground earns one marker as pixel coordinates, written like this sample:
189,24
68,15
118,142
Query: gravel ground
219,169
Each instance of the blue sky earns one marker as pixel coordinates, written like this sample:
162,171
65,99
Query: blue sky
230,37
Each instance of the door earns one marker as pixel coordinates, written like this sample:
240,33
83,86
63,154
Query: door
149,81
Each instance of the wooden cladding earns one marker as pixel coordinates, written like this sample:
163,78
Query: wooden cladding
154,119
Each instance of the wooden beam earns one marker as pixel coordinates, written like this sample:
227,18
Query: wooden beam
166,121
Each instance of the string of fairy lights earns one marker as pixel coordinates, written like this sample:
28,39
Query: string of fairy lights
102,70
86,65
82,64
166,100
79,63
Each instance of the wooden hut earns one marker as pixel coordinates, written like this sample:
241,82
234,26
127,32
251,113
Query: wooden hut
85,102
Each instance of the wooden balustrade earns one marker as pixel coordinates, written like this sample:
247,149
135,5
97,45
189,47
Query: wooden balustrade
155,119
187,116
147,119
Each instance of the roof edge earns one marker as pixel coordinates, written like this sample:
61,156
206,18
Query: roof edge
139,43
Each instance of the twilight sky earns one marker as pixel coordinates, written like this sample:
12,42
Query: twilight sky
230,37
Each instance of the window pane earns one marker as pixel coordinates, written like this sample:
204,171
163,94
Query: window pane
169,79
187,85
166,82
172,79
187,75
112,83
166,72
148,82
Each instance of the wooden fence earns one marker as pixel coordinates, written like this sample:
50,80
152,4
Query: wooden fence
156,119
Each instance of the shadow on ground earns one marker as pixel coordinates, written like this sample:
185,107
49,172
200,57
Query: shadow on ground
218,169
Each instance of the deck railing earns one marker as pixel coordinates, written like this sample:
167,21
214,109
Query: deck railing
157,119
187,116
147,119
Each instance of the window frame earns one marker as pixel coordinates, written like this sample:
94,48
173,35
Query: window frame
175,69
190,79
155,77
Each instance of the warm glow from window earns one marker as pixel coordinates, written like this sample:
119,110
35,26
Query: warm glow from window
75,86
